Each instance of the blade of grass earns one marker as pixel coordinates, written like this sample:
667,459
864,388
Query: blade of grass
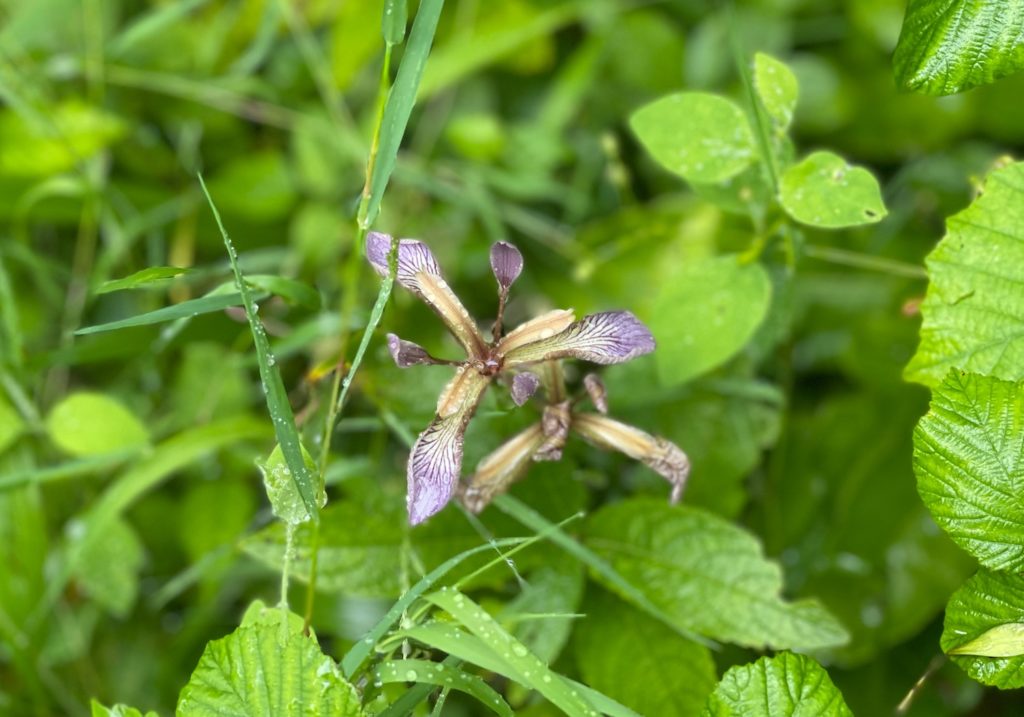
273,387
64,471
526,515
441,675
186,309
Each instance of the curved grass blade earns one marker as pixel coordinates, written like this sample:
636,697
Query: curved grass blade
442,675
185,310
273,387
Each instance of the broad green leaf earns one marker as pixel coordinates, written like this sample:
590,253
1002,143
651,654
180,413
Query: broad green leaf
108,565
359,553
257,186
154,275
553,589
351,45
1006,640
706,314
984,615
284,497
11,425
824,191
707,575
948,46
99,710
72,132
293,291
520,664
699,136
306,480
777,89
87,424
971,312
967,457
786,685
629,656
435,673
267,667
214,513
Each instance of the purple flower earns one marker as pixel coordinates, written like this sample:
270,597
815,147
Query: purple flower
435,462
543,441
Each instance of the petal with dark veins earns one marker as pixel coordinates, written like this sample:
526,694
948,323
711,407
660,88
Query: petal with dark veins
605,338
418,271
500,469
406,353
435,462
657,453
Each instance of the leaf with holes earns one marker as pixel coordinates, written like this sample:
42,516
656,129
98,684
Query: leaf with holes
972,313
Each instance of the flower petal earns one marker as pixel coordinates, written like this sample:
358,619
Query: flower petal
555,425
542,327
495,473
419,272
406,353
606,338
506,263
524,385
657,453
436,458
597,392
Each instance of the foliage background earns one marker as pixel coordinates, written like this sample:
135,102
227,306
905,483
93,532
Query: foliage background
520,132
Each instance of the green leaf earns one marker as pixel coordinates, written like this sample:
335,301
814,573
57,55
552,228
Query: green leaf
11,425
71,133
824,191
396,16
146,277
705,316
514,657
786,685
306,481
708,575
257,186
553,589
777,89
400,103
699,136
631,657
435,673
108,565
185,309
285,501
293,291
972,310
99,710
87,424
983,613
967,457
267,667
948,46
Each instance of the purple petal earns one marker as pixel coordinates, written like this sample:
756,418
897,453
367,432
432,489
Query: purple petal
419,272
506,263
657,453
605,338
524,385
436,458
414,257
500,469
406,353
597,392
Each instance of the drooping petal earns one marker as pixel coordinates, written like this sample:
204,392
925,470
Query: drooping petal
597,392
542,327
495,473
506,263
524,385
606,338
418,271
406,353
555,426
657,453
436,458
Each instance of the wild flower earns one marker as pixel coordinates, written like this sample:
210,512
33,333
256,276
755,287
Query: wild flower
544,441
435,462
